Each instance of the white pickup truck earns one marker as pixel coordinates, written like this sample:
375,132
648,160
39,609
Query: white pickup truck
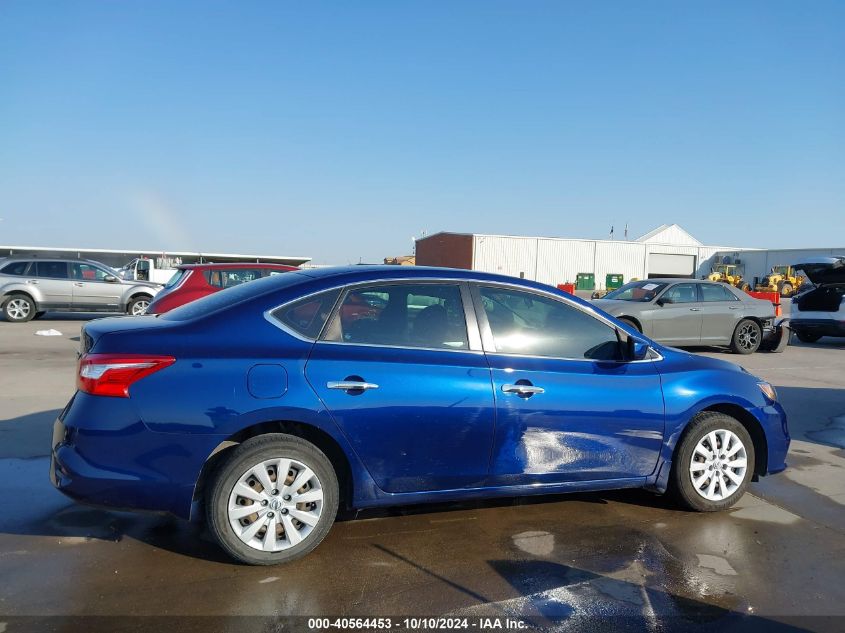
158,270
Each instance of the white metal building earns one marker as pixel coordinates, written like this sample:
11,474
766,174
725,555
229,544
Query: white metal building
667,251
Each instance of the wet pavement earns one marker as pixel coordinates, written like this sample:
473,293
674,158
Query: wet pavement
627,559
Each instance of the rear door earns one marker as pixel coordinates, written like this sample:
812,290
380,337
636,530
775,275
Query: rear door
53,282
91,290
721,310
678,320
401,370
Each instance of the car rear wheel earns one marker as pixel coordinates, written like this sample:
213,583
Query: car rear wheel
713,463
272,500
747,337
19,308
806,337
138,306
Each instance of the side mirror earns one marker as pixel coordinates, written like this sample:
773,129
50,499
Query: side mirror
637,348
664,300
110,279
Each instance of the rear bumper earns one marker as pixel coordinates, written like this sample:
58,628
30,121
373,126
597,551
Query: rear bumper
822,327
121,464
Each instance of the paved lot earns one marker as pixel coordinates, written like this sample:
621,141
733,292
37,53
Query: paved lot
554,560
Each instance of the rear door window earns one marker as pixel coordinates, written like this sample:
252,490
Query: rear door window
51,270
429,316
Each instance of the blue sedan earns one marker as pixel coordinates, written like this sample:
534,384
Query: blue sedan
266,406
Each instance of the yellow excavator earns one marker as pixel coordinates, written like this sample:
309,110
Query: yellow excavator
782,280
729,274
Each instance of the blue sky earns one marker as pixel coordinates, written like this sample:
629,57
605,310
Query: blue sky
340,130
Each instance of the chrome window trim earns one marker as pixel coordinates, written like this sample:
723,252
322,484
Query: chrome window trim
470,319
472,286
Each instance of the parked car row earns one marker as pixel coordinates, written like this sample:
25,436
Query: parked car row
29,287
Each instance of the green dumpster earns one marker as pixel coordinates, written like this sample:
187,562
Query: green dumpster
612,281
585,281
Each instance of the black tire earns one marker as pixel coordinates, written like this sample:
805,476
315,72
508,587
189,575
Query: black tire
806,337
786,289
237,463
681,484
747,337
632,323
19,308
140,300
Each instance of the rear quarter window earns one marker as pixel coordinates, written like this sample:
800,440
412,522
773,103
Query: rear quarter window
15,268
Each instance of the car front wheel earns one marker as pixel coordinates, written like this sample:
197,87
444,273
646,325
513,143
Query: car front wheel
272,500
138,306
713,463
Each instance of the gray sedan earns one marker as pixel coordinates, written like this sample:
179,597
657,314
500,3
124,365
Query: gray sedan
692,312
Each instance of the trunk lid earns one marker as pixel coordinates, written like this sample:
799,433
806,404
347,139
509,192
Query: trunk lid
824,270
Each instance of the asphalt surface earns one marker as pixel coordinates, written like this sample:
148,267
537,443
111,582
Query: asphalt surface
622,559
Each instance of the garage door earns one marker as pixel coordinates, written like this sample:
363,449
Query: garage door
670,265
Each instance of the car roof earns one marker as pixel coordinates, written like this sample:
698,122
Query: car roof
228,265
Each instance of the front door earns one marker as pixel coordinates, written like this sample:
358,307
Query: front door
396,370
568,408
91,290
676,318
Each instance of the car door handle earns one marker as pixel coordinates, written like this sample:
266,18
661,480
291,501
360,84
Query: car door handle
77,283
32,281
695,309
351,385
522,390
735,307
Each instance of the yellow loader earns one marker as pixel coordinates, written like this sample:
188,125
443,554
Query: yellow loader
782,280
729,274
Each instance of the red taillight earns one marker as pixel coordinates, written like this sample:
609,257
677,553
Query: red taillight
113,374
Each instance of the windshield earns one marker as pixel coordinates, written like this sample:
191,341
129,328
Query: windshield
642,291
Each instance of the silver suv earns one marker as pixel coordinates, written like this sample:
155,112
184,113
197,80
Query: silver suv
31,286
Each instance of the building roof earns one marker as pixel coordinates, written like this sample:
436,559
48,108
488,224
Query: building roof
669,234
52,251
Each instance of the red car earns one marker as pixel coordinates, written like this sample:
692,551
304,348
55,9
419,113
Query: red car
192,281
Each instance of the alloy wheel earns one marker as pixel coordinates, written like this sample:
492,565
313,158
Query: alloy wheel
718,465
275,504
140,307
18,309
748,336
